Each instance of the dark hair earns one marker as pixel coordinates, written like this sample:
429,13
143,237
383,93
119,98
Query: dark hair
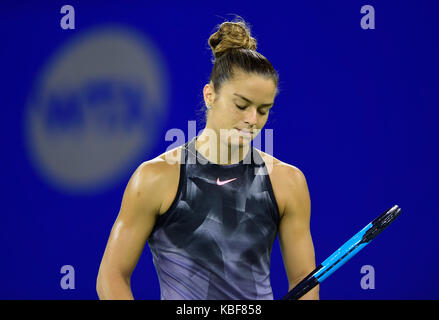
233,49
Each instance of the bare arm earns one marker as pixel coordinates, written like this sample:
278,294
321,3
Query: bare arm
294,230
139,209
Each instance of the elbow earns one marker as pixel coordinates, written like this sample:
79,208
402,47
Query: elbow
100,286
113,285
103,284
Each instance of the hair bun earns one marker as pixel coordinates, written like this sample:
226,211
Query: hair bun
231,35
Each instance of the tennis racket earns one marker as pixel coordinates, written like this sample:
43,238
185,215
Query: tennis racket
344,253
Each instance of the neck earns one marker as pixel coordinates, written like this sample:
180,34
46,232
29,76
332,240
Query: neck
218,150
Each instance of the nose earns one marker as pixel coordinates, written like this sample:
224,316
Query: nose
251,116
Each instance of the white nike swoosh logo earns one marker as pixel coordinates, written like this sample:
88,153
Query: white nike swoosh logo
220,183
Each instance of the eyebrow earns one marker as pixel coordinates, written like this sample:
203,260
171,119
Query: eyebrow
262,105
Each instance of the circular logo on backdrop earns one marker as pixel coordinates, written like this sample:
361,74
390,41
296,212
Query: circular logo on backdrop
95,109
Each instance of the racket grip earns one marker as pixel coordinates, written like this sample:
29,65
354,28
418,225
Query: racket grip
303,286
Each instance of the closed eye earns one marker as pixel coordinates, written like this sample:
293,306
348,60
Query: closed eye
243,108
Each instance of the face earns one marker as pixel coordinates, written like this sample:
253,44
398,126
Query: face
241,107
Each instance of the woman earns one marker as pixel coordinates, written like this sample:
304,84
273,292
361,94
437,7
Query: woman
209,215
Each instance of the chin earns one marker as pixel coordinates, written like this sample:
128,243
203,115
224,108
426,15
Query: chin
239,141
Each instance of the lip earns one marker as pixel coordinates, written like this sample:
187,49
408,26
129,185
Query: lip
244,132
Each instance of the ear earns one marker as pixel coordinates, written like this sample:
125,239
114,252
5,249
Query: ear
209,94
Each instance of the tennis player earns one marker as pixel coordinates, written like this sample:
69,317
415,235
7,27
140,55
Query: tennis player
212,208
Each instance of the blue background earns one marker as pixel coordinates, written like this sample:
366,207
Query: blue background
357,114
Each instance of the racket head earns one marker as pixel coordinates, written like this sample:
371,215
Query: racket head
387,217
373,229
381,222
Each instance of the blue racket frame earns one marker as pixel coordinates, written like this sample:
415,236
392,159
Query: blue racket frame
343,254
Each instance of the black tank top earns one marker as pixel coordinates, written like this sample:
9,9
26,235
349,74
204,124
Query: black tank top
215,240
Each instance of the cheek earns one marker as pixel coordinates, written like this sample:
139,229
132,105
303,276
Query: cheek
262,121
231,115
226,117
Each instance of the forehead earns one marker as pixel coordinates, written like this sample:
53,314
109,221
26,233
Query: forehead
253,86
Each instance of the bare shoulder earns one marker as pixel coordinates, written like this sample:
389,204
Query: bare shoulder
287,180
156,167
281,170
160,176
162,165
